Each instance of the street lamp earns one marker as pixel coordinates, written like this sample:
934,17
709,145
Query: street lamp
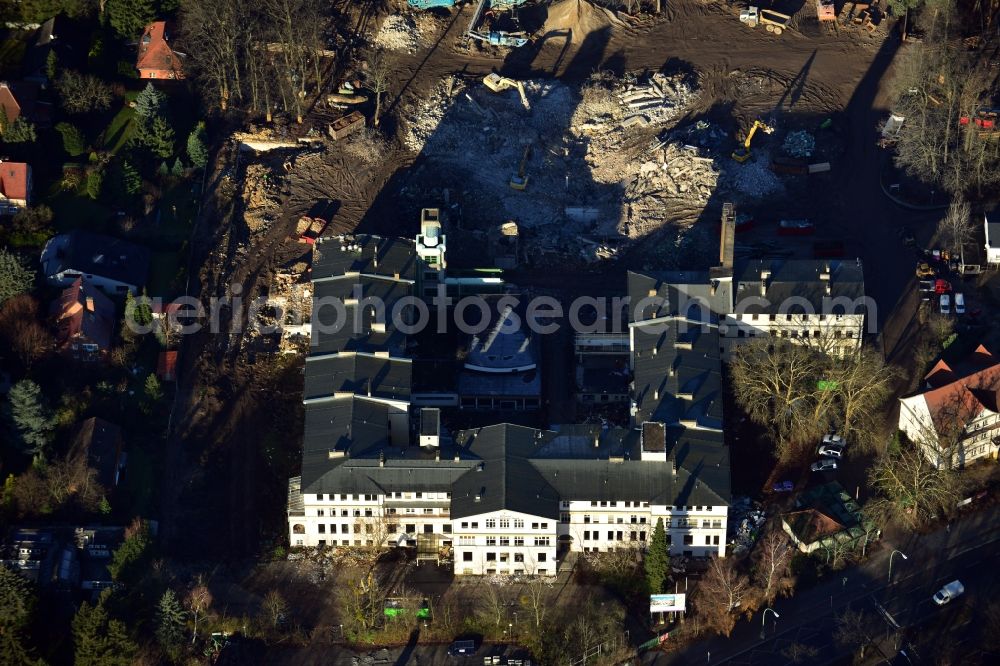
764,617
891,555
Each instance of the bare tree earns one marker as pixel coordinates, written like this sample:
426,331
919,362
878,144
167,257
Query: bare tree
773,555
199,601
863,383
380,75
721,595
956,230
20,328
494,600
799,652
912,491
275,608
852,630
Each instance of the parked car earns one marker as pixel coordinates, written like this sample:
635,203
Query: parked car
783,487
834,438
831,450
949,592
825,465
945,304
959,303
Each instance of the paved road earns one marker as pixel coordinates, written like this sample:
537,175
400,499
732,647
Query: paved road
966,551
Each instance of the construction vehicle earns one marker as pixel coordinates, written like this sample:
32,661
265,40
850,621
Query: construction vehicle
487,15
345,126
310,228
519,181
498,84
772,21
743,154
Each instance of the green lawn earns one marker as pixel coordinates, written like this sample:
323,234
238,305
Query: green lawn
177,209
119,130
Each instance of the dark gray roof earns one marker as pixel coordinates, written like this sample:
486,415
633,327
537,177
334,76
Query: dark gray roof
356,331
360,373
472,383
105,256
101,442
792,283
993,228
505,344
338,427
388,257
673,383
505,477
701,297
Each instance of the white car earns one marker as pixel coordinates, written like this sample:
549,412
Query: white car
945,306
959,303
949,592
825,465
831,450
833,438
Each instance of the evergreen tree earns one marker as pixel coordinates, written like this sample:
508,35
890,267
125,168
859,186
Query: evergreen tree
153,390
17,603
74,143
95,181
129,17
169,621
19,131
160,137
51,64
131,179
162,169
32,421
657,562
196,148
149,103
99,640
15,276
177,170
132,551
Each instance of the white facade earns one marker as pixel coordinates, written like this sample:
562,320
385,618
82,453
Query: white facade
838,334
980,438
503,542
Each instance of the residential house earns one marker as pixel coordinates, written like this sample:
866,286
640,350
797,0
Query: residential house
991,226
114,265
15,187
85,319
36,57
20,100
955,418
156,60
826,518
101,443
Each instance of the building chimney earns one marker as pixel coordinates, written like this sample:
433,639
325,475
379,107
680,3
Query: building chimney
728,237
381,459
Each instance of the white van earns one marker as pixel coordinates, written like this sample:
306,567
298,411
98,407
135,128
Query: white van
945,304
959,303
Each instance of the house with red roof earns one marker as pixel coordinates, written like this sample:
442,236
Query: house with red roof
156,60
15,186
955,418
85,321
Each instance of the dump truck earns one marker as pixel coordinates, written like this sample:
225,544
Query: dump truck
772,21
345,126
309,229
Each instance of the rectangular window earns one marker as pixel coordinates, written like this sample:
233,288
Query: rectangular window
563,518
447,528
491,523
688,539
504,524
541,541
545,526
541,557
320,512
491,541
475,524
467,556
465,525
505,541
519,557
518,524
504,557
491,557
411,528
586,535
393,528
611,535
519,541
322,529
715,540
586,519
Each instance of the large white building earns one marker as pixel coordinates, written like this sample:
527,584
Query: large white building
955,418
502,498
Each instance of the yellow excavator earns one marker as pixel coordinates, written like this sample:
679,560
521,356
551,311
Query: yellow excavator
498,84
519,180
741,155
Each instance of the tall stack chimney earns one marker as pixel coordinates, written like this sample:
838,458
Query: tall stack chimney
728,238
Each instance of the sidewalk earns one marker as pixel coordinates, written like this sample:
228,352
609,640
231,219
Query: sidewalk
819,601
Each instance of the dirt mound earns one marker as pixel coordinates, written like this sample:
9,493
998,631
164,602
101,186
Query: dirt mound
579,18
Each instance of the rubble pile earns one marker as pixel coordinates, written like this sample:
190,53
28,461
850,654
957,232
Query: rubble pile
261,188
799,144
398,33
380,656
745,522
595,176
753,178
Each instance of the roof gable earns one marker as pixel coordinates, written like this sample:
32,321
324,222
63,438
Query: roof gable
14,178
155,53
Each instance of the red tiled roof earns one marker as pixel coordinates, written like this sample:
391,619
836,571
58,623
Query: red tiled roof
83,310
940,375
166,366
810,525
8,102
964,398
155,54
14,180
